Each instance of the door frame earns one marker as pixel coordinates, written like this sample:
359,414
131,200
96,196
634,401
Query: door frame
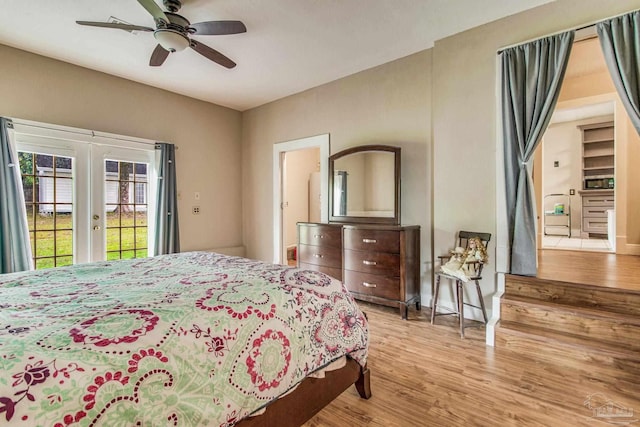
317,141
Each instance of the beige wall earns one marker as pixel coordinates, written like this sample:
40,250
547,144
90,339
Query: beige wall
208,136
389,104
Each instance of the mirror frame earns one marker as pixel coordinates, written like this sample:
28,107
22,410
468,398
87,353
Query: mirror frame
395,220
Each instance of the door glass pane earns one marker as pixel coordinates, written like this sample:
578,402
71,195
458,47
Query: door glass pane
47,182
126,195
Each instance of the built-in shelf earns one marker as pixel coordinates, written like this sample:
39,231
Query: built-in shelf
598,155
598,163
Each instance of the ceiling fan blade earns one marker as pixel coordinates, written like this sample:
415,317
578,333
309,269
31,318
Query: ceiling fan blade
215,28
212,54
155,11
126,27
158,56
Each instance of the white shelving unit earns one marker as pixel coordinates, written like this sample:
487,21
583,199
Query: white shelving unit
557,215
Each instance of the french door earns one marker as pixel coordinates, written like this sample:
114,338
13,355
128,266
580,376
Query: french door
87,199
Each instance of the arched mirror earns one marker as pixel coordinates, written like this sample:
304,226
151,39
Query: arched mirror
364,185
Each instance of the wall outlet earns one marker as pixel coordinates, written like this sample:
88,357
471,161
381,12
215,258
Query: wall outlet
572,192
556,164
195,210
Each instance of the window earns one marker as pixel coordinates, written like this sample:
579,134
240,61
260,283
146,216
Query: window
47,182
126,210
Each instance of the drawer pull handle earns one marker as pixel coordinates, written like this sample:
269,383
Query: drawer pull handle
318,236
365,262
369,241
317,255
369,285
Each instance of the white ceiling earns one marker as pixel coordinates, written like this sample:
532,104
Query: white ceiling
290,45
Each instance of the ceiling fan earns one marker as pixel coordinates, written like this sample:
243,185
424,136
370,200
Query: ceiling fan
173,32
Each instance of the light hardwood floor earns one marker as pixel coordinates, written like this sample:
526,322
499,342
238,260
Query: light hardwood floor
599,269
424,375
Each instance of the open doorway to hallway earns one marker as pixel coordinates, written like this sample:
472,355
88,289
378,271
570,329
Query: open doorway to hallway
300,196
298,165
581,176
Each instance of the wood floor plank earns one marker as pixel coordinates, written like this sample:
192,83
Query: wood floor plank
425,375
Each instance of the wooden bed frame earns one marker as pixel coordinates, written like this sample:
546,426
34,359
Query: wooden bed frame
311,396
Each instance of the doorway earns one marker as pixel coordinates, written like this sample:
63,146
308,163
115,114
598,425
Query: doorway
87,199
298,165
579,146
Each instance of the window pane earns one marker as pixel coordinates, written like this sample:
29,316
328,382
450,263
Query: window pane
44,165
64,243
27,188
63,165
141,253
113,216
126,171
126,199
65,260
127,238
128,254
44,263
113,239
63,220
26,163
141,218
44,244
43,219
141,237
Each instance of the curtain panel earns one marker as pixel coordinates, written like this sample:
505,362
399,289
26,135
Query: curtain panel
531,78
620,41
167,236
15,246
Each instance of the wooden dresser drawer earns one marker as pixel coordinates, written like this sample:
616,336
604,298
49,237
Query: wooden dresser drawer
336,273
328,257
363,239
372,284
372,262
320,235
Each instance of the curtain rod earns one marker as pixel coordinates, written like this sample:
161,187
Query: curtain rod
580,28
84,132
585,27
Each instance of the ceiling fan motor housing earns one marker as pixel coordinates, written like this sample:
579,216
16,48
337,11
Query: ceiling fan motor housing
173,35
172,5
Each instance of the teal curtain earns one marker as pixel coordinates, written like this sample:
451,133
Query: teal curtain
620,41
531,78
167,236
15,247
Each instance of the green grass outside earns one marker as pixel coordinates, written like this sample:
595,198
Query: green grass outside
126,234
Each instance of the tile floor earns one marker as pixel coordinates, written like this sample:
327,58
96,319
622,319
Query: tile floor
575,243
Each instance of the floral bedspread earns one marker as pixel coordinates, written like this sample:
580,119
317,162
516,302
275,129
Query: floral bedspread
188,339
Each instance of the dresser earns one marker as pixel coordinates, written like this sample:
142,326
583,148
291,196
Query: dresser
320,248
377,263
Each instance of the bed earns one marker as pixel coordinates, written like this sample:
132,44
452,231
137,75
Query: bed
190,339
